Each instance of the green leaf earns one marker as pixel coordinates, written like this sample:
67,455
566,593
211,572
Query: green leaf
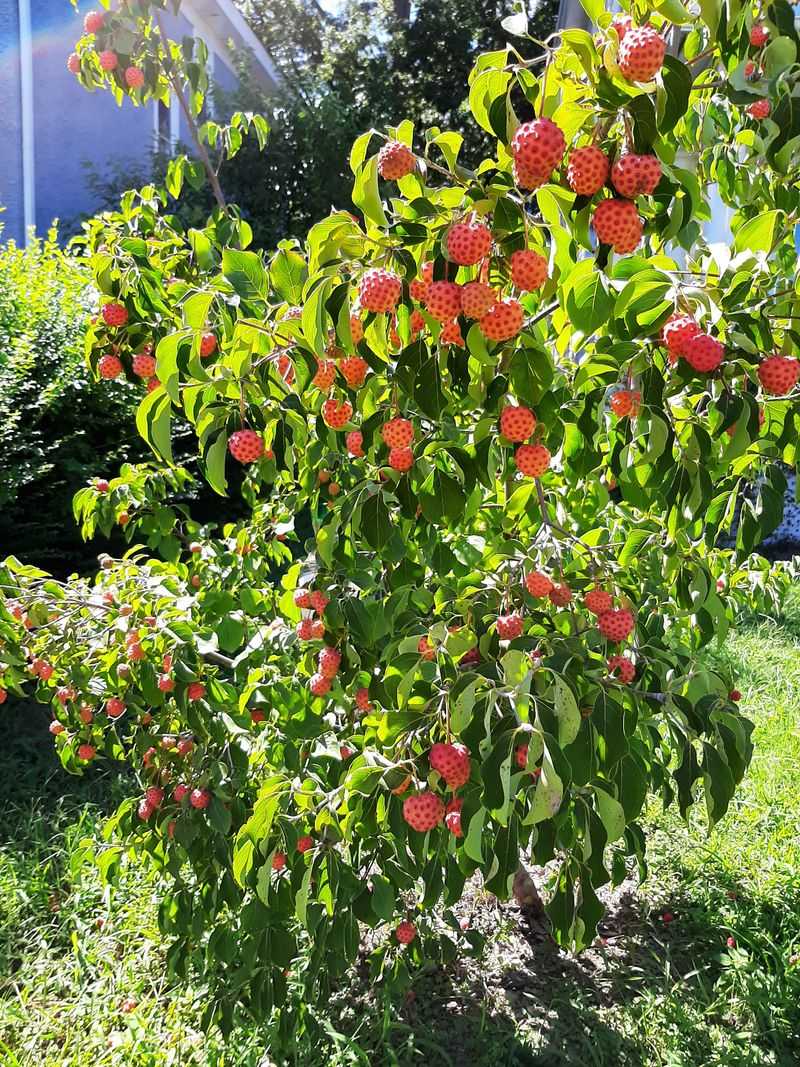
246,273
376,523
153,421
566,709
588,301
758,233
288,274
366,195
672,95
474,838
383,897
611,813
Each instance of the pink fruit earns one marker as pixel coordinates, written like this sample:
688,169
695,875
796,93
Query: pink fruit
401,459
528,270
615,625
538,584
246,445
510,626
279,861
477,298
641,54
532,460
134,77
336,413
354,442
73,63
468,243
517,422
452,762
398,433
503,322
587,170
180,792
109,367
423,811
778,374
108,60
538,146
405,933
379,290
617,223
200,798
622,668
208,345
305,843
86,752
195,691
395,161
93,21
319,685
634,175
144,366
443,300
703,353
560,596
329,661
598,600
114,707
154,796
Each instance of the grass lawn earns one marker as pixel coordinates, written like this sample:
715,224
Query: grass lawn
82,982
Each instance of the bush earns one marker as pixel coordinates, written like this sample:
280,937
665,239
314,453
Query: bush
57,424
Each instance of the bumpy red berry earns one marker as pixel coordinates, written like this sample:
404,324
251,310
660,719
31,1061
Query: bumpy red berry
517,422
641,54
114,707
246,445
56,728
362,699
419,286
305,629
617,223
423,811
93,21
760,109
354,442
398,433
319,685
598,600
405,933
451,334
73,63
529,177
510,626
615,625
587,170
356,329
200,799
395,160
560,595
336,413
503,322
379,290
528,269
452,762
195,691
759,35
676,331
532,460
208,345
625,402
354,371
134,77
154,796
329,660
86,752
325,376
319,601
621,25
622,668
538,146
778,374
108,60
401,459
443,300
305,843
703,353
426,649
144,366
109,367
538,584
477,298
468,242
279,861
114,314
634,175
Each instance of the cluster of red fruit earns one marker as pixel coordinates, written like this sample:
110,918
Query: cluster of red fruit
759,35
517,424
132,77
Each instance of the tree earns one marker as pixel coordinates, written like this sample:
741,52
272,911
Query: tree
517,405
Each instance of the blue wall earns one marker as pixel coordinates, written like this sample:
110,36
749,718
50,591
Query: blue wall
10,122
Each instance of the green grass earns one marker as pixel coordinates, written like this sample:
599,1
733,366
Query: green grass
655,993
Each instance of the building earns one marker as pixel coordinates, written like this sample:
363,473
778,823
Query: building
50,125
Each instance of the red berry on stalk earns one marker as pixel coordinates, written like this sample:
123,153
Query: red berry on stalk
354,371
114,707
778,374
426,649
451,334
528,269
452,816
598,600
134,77
477,298
354,441
246,445
398,433
538,146
615,625
208,345
401,459
395,161
114,314
625,402
759,35
195,691
532,460
93,21
405,933
529,177
279,861
379,290
336,413
144,366
329,660
109,367
517,422
73,63
760,109
560,595
452,762
180,793
319,685
423,811
319,601
325,376
356,329
166,683
443,300
622,668
676,331
257,717
617,223
86,752
538,584
154,796
305,843
622,24
56,728
144,810
200,798
510,626
362,699
503,322
468,243
641,54
634,175
109,60
703,353
587,170
735,696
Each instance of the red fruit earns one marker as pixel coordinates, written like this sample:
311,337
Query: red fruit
208,345
395,160
319,601
621,667
778,374
587,170
200,798
676,331
147,758
503,322
195,691
529,177
356,329
731,942
64,694
329,660
143,365
336,413
154,796
401,459
560,596
153,383
246,445
319,685
354,370
517,423
279,861
667,917
641,54
625,402
345,752
758,35
452,762
703,353
598,600
185,746
145,810
617,223
43,669
166,683
405,933
622,25
305,843
180,792
108,60
538,146
443,300
634,175
452,816
123,518
477,298
3,695
257,716
423,811
426,649
109,367
354,442
86,752
759,109
538,584
114,707
451,334
325,376
521,756
532,460
93,21
134,77
73,63
305,629
615,625
509,626
750,69
101,485
379,290
419,286
56,728
362,699
468,243
735,696
528,270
